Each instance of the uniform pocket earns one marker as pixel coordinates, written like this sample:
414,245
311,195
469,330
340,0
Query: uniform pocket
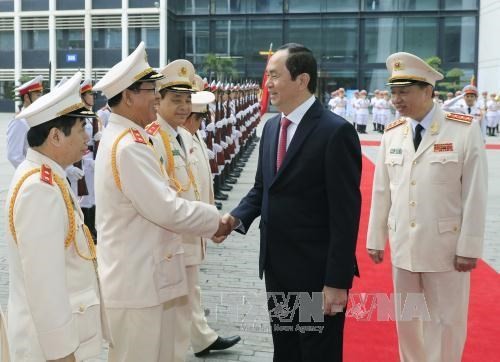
85,307
394,164
169,266
449,225
444,167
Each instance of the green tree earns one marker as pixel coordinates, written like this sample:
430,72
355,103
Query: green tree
221,67
452,77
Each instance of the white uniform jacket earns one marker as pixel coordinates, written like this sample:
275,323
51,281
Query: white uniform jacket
139,249
17,142
431,203
54,302
184,166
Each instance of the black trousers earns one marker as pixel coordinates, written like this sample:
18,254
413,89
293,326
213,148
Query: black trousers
89,220
297,340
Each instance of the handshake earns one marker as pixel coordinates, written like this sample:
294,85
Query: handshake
227,223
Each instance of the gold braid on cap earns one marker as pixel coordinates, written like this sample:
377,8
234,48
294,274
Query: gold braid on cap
171,84
72,228
143,73
72,108
407,77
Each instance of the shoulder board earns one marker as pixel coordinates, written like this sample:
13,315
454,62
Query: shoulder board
46,174
153,128
459,117
395,124
137,136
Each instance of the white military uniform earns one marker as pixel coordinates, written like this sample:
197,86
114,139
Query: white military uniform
17,142
55,307
458,105
362,113
139,219
340,106
492,113
431,205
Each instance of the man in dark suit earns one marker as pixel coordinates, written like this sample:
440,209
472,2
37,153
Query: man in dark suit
307,193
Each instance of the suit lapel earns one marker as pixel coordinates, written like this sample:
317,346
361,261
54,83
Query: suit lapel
306,125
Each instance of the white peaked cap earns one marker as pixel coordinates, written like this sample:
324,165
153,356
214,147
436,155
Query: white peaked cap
406,69
125,73
63,100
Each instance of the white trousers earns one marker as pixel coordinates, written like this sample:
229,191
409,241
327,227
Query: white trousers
442,338
148,334
193,328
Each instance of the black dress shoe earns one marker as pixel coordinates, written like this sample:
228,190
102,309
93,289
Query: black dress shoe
220,196
226,187
218,205
231,180
219,345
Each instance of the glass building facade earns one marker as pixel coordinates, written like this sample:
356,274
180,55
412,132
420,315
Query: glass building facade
350,39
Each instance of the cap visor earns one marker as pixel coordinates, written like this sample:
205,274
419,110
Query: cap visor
82,112
152,76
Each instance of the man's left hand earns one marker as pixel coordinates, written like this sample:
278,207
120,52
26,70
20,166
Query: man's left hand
334,300
463,264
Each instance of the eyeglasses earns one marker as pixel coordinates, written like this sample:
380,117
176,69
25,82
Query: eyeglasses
154,90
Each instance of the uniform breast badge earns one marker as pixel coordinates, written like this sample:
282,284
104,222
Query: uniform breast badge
464,118
443,147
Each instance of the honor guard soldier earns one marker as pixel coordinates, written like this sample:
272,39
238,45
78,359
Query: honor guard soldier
492,115
55,306
466,103
429,199
139,218
362,113
17,144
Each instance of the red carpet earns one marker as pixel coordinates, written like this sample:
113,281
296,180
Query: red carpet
370,340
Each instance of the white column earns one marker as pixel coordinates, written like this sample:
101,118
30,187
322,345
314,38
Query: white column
163,32
88,40
124,28
52,42
489,56
18,47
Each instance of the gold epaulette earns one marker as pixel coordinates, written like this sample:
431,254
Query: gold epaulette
459,117
153,128
394,124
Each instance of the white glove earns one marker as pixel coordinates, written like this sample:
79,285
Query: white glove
217,148
203,134
229,140
98,136
211,154
223,144
74,173
219,124
210,127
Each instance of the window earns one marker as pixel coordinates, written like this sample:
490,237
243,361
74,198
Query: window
229,6
196,41
70,4
380,5
143,3
460,4
419,36
35,45
381,39
418,4
340,41
190,7
341,5
301,6
6,49
261,33
265,6
375,79
306,32
107,4
106,47
34,5
230,37
6,5
459,39
70,48
151,38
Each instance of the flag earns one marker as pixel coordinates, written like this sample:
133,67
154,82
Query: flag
473,80
264,99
